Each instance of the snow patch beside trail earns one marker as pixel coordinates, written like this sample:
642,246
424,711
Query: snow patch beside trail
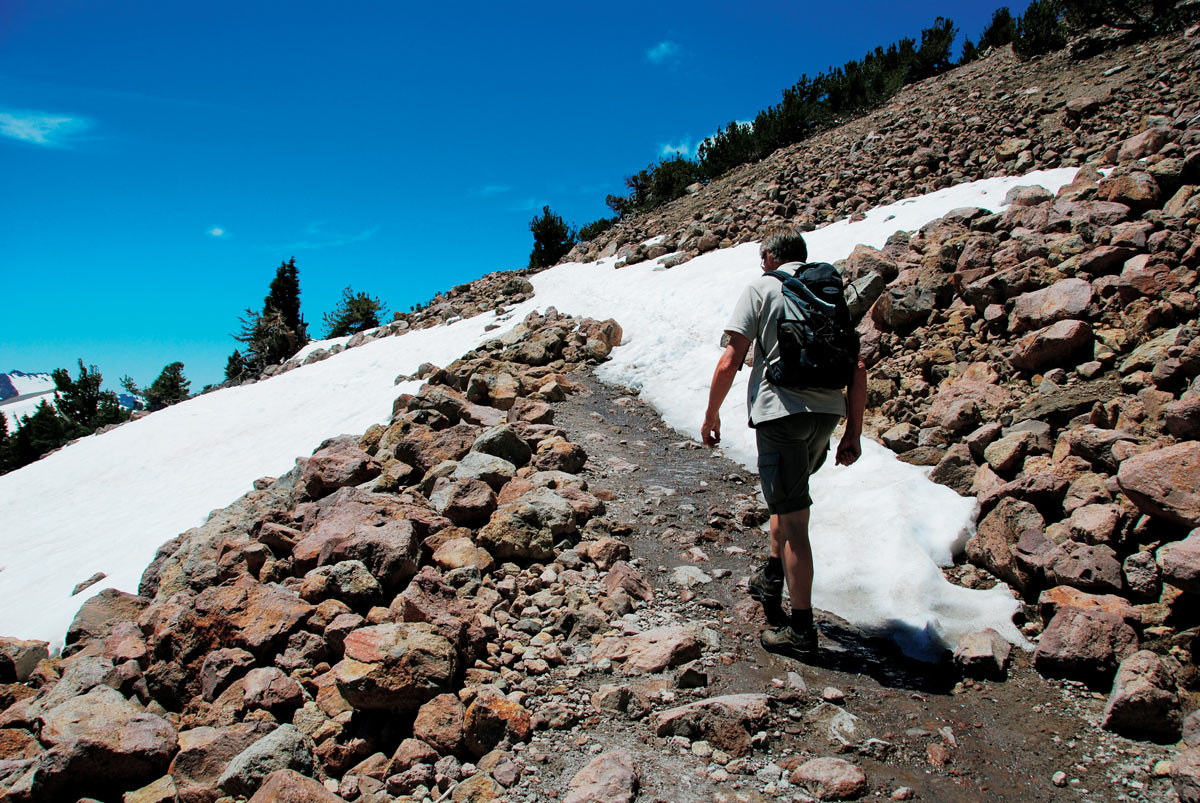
880,528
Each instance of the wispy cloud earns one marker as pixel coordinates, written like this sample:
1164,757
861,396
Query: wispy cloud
664,52
218,232
684,148
42,128
320,237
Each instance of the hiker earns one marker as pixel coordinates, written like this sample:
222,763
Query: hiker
793,428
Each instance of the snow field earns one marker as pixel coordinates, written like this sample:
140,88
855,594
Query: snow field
880,528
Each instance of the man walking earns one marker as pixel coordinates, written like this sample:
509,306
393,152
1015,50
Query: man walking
793,429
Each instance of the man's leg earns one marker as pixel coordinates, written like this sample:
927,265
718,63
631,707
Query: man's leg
789,540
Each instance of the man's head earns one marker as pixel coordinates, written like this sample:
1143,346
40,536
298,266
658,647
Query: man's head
783,244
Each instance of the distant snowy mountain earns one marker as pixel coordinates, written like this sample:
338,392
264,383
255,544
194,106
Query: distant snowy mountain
19,383
21,393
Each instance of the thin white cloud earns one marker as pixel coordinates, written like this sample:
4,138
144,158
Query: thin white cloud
42,128
664,52
217,231
320,238
684,148
492,189
528,205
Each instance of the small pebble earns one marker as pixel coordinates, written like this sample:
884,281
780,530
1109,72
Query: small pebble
1059,779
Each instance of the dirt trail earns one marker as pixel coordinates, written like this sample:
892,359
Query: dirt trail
921,726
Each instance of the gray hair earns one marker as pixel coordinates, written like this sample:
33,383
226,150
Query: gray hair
784,244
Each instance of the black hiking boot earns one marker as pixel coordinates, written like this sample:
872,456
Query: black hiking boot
768,591
784,640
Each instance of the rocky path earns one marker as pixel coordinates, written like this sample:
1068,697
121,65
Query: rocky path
690,519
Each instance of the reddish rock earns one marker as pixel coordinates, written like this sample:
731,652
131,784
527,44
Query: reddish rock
1139,146
1139,191
338,463
1066,298
830,779
608,778
18,657
440,723
425,448
271,689
1145,701
625,577
103,737
395,666
460,552
652,651
97,617
725,722
203,755
1165,482
993,545
1055,345
556,454
605,552
289,786
1180,562
222,667
1052,600
1084,645
491,719
467,502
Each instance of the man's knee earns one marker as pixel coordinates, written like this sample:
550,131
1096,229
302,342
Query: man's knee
795,523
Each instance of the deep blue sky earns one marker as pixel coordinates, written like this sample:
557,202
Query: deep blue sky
161,159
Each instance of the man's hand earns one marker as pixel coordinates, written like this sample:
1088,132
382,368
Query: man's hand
849,450
710,433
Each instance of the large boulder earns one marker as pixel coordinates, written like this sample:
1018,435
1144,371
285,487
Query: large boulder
608,778
491,719
289,786
18,657
1165,483
440,723
829,778
337,463
503,442
104,738
1180,562
97,617
1144,700
203,755
994,545
1066,298
1084,645
725,722
396,666
652,651
1055,345
284,748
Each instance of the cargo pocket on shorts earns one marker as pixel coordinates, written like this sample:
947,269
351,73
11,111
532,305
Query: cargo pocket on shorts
770,476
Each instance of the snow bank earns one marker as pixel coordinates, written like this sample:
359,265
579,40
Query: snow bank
880,528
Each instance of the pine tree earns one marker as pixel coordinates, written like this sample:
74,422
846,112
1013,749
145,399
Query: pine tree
355,312
1002,30
82,404
39,434
552,239
969,51
5,445
235,366
933,57
170,388
1041,29
279,331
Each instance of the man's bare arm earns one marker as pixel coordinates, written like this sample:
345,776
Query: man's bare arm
850,448
727,368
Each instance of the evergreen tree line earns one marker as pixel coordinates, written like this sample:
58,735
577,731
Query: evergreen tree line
831,98
277,331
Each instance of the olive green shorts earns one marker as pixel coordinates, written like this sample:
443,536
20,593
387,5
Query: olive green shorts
790,450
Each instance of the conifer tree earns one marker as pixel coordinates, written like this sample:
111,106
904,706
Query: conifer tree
1002,30
235,366
969,51
552,239
169,388
82,404
5,445
40,433
355,312
279,331
1041,29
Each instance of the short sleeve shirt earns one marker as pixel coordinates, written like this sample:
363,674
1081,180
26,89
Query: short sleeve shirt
759,308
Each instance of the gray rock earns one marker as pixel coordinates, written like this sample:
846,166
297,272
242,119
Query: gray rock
1084,645
18,658
503,442
1145,701
983,654
495,471
284,748
1165,483
1180,562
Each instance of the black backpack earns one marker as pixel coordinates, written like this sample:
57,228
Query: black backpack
819,350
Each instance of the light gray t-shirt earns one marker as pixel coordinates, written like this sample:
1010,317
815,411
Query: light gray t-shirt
761,305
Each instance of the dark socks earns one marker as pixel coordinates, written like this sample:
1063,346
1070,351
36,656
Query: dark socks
802,619
774,568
